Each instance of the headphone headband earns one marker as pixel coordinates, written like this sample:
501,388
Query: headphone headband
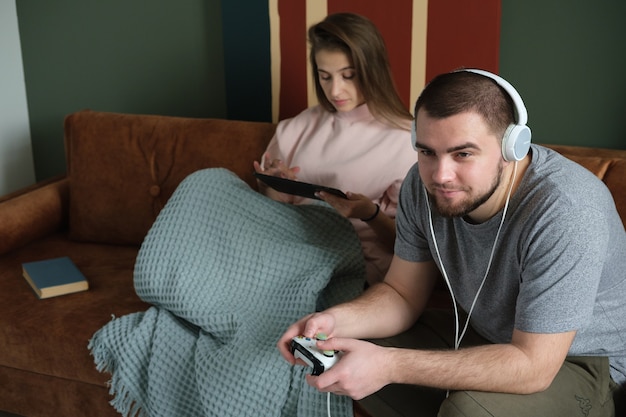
521,115
516,139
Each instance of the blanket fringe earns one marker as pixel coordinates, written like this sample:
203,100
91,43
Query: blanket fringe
122,401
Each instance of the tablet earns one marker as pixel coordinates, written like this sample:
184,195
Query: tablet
303,189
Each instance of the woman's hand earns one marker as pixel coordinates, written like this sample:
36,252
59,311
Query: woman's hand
275,168
356,206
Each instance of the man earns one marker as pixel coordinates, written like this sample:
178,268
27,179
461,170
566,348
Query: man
533,251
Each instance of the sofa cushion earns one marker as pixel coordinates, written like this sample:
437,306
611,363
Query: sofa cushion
123,168
611,170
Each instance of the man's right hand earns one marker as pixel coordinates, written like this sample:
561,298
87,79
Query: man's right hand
314,326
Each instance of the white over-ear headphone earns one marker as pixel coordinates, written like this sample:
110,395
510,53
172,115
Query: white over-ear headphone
516,139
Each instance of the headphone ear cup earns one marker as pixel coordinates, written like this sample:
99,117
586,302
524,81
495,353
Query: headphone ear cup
516,142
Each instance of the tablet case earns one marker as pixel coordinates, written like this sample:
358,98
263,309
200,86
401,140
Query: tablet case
302,189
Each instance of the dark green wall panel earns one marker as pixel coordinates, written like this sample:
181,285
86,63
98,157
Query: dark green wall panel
567,60
134,56
247,59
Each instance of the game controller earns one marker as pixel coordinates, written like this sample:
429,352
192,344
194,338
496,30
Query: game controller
306,349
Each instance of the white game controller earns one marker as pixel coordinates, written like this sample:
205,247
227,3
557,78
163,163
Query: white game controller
306,349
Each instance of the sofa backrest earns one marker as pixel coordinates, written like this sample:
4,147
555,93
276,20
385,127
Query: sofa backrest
123,168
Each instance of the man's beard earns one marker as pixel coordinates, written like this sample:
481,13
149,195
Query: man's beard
467,206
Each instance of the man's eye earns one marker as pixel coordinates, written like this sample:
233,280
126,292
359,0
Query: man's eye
426,152
464,155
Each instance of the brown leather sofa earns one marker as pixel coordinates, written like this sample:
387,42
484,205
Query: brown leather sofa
122,168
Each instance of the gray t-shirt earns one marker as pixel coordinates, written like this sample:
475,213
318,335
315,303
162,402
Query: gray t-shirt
559,263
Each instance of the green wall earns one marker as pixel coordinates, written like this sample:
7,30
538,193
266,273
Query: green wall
207,58
247,59
567,60
132,56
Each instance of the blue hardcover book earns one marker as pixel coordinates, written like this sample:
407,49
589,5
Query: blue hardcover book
52,277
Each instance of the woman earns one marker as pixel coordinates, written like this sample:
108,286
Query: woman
357,139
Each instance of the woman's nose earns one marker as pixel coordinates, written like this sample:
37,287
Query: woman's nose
336,86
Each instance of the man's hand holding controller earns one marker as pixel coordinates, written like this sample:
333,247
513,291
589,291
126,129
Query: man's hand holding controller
305,348
359,368
315,326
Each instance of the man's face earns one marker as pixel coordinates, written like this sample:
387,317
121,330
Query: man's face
460,163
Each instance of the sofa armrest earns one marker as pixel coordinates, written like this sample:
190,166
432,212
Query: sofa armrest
33,213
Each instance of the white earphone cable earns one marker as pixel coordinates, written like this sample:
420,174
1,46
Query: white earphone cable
443,270
457,337
328,403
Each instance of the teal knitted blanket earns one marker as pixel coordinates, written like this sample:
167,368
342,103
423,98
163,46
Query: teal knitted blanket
227,270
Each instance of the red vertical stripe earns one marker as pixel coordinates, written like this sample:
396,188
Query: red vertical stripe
462,33
293,69
393,20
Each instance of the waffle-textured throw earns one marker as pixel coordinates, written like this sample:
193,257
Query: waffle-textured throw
227,270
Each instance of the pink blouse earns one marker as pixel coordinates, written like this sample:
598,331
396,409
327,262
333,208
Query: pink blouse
351,151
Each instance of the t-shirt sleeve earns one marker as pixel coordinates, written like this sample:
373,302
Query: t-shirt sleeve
411,243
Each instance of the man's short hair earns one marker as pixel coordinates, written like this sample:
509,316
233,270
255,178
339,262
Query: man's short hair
462,91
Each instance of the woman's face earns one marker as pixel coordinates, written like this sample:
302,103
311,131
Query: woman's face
338,79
